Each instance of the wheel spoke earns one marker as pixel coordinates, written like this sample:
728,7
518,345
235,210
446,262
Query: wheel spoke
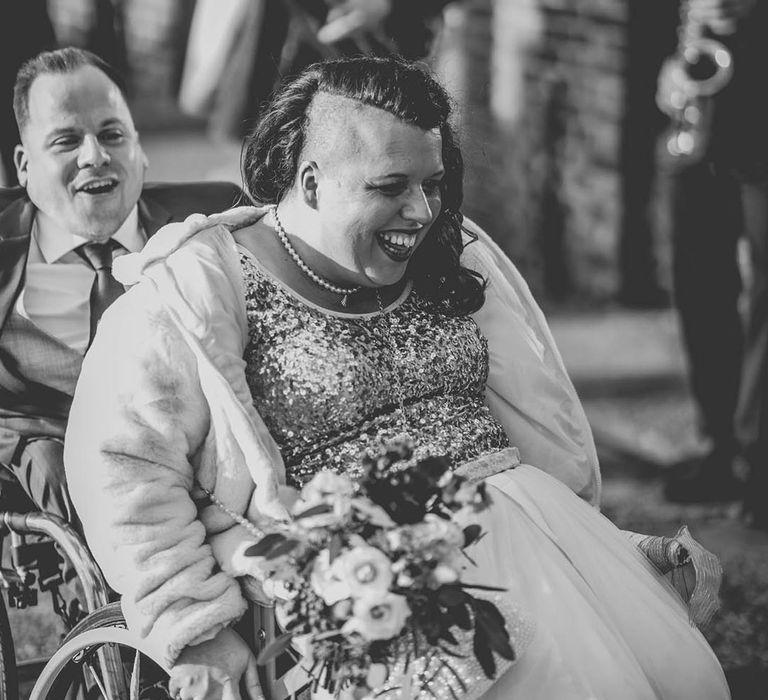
136,676
97,680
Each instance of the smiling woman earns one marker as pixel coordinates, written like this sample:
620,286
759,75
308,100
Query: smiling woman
367,184
367,194
243,370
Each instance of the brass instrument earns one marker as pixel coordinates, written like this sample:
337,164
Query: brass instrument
699,69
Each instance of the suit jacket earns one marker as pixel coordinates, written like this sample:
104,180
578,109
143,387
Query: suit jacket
32,407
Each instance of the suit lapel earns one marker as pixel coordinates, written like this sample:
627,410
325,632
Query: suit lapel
15,234
152,215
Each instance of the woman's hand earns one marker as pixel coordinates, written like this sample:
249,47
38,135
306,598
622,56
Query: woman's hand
350,17
721,16
213,670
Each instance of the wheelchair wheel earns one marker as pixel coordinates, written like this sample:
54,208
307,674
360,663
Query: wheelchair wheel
104,657
9,682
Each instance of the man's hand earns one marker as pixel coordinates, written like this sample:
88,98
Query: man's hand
213,670
350,17
721,16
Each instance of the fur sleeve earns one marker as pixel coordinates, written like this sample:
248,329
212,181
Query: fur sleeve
137,420
529,390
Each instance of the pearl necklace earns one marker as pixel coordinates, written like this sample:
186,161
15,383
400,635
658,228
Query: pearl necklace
345,292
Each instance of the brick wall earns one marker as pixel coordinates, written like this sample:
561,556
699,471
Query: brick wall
541,92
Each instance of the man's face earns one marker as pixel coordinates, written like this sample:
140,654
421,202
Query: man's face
80,159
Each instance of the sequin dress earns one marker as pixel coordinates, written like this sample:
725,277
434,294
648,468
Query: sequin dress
329,385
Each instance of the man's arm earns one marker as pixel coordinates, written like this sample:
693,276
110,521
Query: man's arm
37,464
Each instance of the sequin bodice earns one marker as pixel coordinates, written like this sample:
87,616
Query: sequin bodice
330,385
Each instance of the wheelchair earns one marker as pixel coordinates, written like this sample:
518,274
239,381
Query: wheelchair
99,658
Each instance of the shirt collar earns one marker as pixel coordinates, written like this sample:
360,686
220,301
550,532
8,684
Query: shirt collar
55,243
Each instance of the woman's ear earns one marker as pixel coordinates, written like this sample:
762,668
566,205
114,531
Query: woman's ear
308,182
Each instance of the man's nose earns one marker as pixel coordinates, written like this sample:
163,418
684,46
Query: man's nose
417,208
92,153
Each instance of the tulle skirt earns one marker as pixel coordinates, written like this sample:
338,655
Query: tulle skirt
608,626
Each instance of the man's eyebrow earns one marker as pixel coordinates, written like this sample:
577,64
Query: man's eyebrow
113,121
437,173
61,131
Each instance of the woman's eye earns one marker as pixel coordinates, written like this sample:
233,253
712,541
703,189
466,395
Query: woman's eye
432,187
393,190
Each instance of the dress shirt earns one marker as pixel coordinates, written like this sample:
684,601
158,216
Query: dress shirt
57,289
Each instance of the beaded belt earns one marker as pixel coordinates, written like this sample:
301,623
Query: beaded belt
490,464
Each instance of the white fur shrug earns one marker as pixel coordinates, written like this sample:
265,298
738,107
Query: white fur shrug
162,407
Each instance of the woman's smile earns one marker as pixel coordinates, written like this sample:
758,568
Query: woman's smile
398,245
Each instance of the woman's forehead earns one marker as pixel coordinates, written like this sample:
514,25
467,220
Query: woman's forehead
346,132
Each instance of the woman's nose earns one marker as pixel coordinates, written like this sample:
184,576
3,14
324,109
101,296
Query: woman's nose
417,207
92,153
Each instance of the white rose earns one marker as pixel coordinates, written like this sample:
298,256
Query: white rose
365,570
378,617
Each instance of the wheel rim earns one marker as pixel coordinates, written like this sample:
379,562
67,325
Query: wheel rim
67,663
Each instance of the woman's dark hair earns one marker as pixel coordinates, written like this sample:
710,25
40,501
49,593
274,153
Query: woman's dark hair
271,154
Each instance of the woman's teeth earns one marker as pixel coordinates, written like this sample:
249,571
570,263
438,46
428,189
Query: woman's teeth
397,246
400,239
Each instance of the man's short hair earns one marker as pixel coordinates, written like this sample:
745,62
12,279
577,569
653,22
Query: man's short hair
61,61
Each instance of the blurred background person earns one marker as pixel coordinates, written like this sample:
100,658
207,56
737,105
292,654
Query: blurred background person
28,20
239,50
641,284
719,191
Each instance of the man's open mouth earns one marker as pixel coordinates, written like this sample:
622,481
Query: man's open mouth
398,246
102,185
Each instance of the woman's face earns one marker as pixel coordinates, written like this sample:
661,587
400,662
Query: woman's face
378,194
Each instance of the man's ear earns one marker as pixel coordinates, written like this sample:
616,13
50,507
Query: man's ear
21,162
144,157
308,182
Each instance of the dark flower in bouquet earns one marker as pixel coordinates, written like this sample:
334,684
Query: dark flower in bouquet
370,578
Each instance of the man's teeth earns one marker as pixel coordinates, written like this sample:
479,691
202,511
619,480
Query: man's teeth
400,239
97,185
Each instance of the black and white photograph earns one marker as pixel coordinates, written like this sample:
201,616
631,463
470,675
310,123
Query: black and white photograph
383,350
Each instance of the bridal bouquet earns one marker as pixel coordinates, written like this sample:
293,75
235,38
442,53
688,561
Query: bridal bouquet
371,572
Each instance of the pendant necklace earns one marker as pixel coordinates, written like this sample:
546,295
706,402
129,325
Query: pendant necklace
395,360
345,292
